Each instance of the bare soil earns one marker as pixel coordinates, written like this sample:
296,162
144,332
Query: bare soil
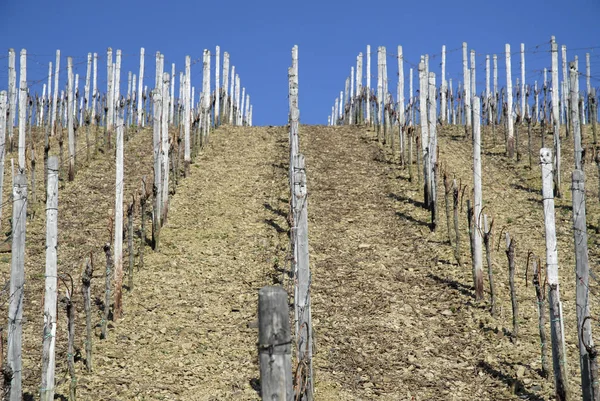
394,315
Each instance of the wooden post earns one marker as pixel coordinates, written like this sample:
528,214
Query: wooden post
70,115
109,95
232,96
94,89
556,119
86,283
12,93
584,328
541,303
304,341
51,292
467,86
22,108
400,108
165,150
3,128
576,128
172,95
495,93
510,254
447,192
157,189
225,86
455,197
187,159
274,344
522,80
558,351
140,88
564,87
143,199
119,186
487,103
510,144
432,117
443,87
368,94
423,92
477,202
217,86
130,251
17,282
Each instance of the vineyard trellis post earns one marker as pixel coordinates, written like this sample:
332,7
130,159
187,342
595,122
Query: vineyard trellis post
559,361
22,108
274,344
477,202
51,290
555,119
17,282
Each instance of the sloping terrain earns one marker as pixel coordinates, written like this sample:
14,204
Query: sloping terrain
394,315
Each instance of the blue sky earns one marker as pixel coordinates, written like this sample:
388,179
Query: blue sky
259,36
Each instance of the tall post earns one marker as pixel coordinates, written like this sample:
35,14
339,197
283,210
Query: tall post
523,80
156,143
118,232
165,147
443,87
558,348
94,89
555,119
565,86
22,108
575,124
423,91
225,84
3,129
473,80
359,89
217,85
56,90
487,101
12,90
50,293
187,159
587,354
17,282
495,93
432,165
172,95
477,202
232,96
304,340
140,89
70,123
467,86
510,145
110,100
368,94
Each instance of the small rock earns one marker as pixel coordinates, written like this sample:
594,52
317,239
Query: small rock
447,312
364,246
520,371
163,330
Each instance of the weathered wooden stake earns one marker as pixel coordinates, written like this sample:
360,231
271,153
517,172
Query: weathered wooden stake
274,345
71,345
582,272
558,351
477,201
17,282
51,289
3,129
119,186
510,144
22,108
187,119
70,122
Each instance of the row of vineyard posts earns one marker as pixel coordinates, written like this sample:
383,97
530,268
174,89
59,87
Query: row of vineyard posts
274,335
180,128
397,122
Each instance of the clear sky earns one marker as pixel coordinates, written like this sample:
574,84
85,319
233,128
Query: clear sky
259,36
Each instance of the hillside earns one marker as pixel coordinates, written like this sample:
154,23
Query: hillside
394,315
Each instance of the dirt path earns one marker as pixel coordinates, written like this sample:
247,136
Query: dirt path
186,333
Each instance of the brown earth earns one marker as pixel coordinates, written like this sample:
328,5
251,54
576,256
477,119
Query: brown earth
394,315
